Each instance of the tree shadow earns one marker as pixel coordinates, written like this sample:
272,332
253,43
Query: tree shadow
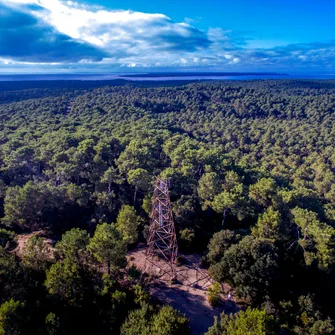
193,303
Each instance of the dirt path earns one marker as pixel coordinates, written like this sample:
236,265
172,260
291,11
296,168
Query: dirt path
22,239
189,299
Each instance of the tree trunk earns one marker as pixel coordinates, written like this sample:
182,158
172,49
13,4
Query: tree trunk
135,194
224,216
108,267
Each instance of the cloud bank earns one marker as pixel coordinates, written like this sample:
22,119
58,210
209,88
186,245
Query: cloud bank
24,38
68,35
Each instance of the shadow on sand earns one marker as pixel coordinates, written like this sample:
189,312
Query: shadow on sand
193,304
188,294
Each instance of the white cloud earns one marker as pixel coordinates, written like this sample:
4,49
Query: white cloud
136,39
121,33
4,61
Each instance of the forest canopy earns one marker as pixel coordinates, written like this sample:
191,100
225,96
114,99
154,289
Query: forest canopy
252,172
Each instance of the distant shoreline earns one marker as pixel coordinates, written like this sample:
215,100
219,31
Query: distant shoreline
162,77
201,74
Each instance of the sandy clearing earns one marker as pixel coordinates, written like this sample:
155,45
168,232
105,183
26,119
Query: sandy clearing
182,295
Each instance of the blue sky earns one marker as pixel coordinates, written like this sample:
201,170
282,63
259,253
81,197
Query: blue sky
293,36
272,21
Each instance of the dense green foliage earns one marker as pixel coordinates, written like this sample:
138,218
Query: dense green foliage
252,321
71,292
10,319
252,170
6,237
145,321
126,224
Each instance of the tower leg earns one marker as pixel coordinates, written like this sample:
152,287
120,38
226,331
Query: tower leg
162,240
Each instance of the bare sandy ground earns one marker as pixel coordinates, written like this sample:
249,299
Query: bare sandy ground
22,239
188,294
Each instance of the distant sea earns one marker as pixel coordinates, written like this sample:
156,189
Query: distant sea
159,76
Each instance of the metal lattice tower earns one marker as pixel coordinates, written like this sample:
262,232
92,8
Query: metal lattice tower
162,241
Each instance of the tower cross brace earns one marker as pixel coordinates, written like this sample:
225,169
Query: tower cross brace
162,241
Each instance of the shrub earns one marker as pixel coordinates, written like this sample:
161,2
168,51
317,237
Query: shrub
214,295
